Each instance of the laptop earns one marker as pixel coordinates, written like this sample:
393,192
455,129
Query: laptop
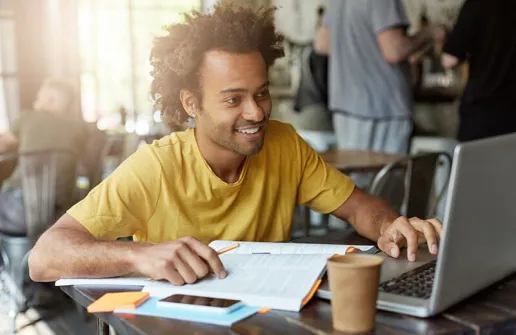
478,247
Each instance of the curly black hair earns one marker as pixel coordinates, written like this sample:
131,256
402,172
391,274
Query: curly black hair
230,27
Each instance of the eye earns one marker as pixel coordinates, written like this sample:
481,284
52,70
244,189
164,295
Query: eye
263,94
232,101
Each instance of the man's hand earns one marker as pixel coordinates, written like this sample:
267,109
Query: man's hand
410,233
181,261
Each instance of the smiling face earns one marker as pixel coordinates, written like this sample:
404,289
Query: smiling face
235,101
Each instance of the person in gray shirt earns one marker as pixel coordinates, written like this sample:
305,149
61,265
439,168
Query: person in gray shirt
369,86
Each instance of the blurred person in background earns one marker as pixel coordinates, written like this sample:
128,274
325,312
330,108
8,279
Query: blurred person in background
370,92
312,93
485,37
48,126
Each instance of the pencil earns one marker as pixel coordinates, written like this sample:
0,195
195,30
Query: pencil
226,249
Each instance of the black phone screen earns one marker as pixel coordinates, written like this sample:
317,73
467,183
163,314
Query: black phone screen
199,301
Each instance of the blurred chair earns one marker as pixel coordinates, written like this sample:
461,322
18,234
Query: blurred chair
91,164
38,174
118,147
133,142
407,184
113,153
424,144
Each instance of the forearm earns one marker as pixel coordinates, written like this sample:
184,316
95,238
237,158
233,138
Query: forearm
410,45
373,218
322,41
369,215
79,255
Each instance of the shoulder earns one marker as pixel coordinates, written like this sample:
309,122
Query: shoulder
283,139
143,166
176,141
171,147
27,116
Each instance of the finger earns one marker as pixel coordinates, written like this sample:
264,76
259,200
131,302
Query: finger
184,269
388,246
394,235
438,226
403,226
391,241
429,231
209,255
198,266
174,277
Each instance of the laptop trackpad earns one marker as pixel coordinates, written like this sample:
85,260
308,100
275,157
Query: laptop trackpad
392,267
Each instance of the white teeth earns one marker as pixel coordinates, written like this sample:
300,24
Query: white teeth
249,131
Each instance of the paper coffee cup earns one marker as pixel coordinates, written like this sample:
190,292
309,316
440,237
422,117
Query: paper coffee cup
354,281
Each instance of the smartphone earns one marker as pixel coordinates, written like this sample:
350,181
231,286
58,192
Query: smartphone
200,303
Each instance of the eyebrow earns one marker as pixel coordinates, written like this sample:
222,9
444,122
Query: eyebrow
240,90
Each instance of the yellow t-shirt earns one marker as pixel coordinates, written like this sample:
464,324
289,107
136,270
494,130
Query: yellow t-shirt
167,190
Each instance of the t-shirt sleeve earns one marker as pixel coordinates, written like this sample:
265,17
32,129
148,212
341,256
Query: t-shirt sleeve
386,14
122,204
459,42
322,187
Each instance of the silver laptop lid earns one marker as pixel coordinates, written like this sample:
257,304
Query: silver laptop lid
479,246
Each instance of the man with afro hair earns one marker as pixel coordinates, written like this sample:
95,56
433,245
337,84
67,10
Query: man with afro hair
237,175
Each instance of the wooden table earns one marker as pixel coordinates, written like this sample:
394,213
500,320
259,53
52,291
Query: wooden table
493,311
348,161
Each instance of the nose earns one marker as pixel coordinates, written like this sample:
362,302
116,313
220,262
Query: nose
253,111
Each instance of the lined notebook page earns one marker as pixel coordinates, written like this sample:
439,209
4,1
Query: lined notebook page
275,281
285,248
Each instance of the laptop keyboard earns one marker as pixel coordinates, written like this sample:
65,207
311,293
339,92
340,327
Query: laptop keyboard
416,283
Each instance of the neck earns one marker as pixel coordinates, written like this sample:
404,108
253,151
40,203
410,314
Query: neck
226,164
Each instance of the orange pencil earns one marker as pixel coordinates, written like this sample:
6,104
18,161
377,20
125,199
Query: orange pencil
226,249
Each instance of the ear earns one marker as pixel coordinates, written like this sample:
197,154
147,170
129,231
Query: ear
189,102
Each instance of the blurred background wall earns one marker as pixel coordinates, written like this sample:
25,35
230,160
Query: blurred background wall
103,46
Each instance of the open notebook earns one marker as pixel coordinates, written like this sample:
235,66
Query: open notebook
276,275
